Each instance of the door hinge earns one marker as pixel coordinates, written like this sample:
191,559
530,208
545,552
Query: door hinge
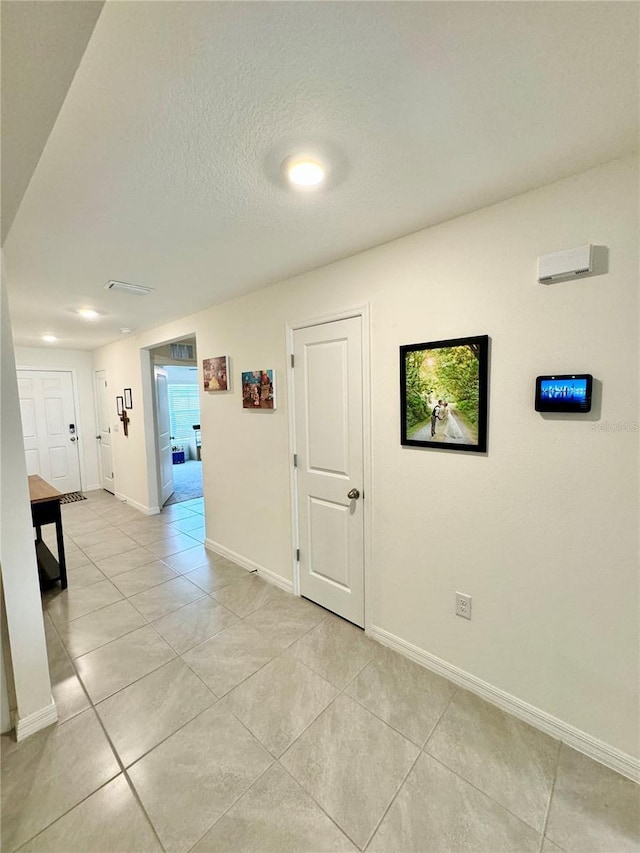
298,555
295,460
109,428
292,360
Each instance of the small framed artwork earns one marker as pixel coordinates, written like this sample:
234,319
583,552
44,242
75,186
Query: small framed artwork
128,402
443,394
120,405
259,389
215,373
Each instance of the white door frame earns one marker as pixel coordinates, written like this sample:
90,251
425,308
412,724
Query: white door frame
152,450
76,406
362,311
97,417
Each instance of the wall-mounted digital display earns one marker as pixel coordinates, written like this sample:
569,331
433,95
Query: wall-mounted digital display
569,392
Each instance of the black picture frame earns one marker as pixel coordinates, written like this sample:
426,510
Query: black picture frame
128,401
120,405
456,372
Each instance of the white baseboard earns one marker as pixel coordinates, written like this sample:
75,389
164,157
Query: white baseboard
32,723
147,510
249,565
276,579
585,743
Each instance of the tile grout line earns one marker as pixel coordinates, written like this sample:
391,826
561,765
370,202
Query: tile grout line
456,690
114,752
142,615
551,793
393,799
276,760
301,784
469,782
68,811
118,760
320,675
484,793
413,764
260,668
319,805
278,655
297,738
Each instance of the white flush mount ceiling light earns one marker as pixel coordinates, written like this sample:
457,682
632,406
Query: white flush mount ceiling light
133,289
125,331
50,339
305,172
88,313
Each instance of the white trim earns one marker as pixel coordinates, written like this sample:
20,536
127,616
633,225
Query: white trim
32,723
367,455
364,312
581,741
276,579
76,406
150,415
249,565
147,510
96,414
293,480
94,487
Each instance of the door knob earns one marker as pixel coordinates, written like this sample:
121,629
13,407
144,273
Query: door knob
72,438
99,437
353,495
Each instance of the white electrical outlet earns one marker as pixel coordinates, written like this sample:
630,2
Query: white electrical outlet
463,605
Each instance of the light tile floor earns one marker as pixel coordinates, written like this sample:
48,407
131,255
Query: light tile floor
203,709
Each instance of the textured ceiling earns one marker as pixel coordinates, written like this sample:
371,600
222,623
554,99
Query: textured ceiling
163,168
42,45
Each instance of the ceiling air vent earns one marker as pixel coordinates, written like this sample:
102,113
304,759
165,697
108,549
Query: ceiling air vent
182,352
133,289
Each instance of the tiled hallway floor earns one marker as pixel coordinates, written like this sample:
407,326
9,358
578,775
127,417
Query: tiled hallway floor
204,709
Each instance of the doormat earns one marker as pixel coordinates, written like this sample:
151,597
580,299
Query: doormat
72,497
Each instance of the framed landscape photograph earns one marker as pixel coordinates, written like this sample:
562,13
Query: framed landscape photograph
443,394
215,372
258,389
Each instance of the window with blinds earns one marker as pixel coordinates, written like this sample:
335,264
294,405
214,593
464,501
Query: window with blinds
184,411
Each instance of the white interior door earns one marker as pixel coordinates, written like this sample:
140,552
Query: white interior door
49,427
104,432
163,426
329,446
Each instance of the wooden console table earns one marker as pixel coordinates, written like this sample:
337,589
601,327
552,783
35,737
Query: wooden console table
45,509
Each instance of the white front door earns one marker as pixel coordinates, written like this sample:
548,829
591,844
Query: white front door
104,431
329,447
49,427
163,426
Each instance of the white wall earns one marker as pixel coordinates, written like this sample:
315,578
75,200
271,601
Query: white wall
542,531
25,628
81,364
